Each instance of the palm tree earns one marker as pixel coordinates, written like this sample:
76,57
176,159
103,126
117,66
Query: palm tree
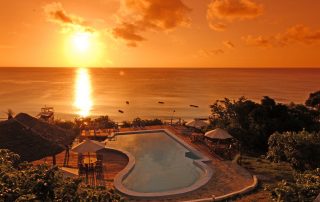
10,114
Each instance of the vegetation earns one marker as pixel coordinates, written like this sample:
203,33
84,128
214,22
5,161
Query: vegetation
291,169
253,123
21,181
104,122
269,175
300,149
100,122
279,182
306,187
138,122
68,125
314,100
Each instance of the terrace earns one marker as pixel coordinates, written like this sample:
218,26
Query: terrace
228,178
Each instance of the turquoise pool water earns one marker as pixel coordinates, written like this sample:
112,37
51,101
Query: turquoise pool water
161,162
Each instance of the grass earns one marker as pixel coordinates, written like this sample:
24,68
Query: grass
268,173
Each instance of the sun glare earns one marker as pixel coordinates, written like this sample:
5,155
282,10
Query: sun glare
83,101
84,49
81,41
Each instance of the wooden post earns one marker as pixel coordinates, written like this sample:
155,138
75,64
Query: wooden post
54,160
66,157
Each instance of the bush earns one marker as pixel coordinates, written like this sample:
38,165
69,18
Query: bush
300,149
21,181
306,187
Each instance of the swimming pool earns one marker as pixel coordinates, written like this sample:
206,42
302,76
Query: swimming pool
161,164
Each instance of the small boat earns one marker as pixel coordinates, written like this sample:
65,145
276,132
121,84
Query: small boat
195,106
161,102
127,102
120,111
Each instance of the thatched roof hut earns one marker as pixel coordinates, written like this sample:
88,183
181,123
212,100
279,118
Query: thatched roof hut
33,139
197,123
218,134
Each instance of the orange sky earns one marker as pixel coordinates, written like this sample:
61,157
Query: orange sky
161,33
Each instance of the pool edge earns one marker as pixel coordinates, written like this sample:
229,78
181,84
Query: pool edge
201,163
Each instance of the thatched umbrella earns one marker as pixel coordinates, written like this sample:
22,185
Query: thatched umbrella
88,146
218,134
220,137
197,123
33,139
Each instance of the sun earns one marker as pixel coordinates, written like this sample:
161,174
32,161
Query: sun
84,49
81,41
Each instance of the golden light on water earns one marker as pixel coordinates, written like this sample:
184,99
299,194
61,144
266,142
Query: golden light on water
83,101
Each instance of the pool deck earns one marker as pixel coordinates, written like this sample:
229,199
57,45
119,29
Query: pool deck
113,163
227,177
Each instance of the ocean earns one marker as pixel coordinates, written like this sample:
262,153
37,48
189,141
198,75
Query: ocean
105,91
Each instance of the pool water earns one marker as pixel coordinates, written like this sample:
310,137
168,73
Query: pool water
161,162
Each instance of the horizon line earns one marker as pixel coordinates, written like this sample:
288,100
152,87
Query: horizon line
136,67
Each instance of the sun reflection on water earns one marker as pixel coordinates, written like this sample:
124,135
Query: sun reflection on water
83,101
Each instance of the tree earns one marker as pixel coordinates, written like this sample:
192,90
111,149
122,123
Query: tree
104,122
314,100
253,123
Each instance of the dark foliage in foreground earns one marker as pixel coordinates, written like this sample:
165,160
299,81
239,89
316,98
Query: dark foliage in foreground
301,150
253,123
306,187
21,181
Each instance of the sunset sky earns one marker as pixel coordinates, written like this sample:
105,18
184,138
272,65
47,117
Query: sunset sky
160,33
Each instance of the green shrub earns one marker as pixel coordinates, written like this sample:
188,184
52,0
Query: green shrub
21,181
305,188
300,149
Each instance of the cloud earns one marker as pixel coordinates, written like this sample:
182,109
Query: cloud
209,53
139,16
300,34
259,41
128,32
217,26
229,44
56,14
231,10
